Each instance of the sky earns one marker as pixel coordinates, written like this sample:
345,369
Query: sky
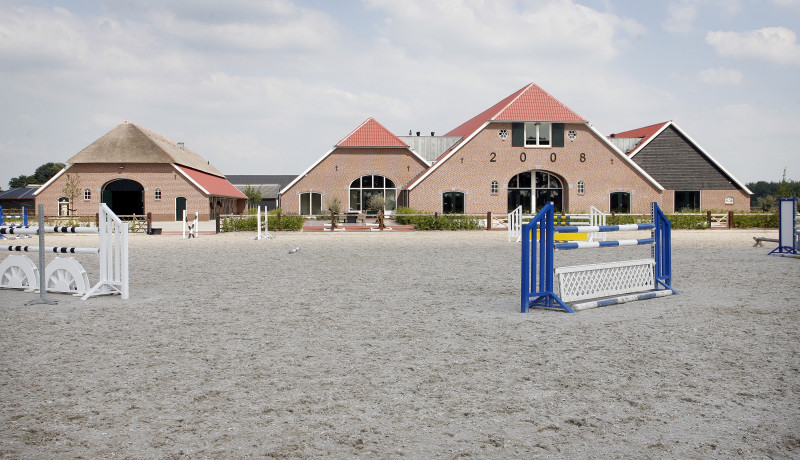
269,86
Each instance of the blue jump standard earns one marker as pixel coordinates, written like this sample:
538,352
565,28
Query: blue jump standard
538,258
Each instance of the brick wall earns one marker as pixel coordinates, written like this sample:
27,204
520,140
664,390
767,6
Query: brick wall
151,176
334,174
715,200
471,170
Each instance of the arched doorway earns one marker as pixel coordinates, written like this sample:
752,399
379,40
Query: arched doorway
533,189
370,185
124,196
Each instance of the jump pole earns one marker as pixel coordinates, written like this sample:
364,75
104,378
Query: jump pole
42,284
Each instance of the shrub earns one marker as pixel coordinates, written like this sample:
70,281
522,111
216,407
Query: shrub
423,221
755,220
286,223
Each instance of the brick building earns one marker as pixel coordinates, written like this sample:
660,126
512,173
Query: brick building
368,161
692,178
135,171
526,150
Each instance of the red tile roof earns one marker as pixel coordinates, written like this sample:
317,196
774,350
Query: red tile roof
214,185
371,134
530,103
643,133
647,131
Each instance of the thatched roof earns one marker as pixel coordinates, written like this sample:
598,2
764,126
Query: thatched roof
131,143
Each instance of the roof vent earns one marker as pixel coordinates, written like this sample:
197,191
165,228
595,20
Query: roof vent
180,145
417,133
433,133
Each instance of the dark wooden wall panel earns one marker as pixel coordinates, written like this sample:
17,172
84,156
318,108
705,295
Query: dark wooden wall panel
677,165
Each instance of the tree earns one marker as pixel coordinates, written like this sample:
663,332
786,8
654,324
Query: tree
783,186
334,205
45,172
765,194
253,196
376,203
20,181
71,190
42,174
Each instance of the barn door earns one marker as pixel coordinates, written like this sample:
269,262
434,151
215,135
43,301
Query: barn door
180,206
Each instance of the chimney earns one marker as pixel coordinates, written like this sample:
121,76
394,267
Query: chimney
433,133
417,133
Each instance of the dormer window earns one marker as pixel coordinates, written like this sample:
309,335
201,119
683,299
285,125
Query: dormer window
537,134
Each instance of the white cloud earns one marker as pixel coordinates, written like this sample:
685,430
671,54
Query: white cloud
776,44
267,86
553,30
285,28
722,77
680,17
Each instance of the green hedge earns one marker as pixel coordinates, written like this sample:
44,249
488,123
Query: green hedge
425,221
755,220
695,221
286,222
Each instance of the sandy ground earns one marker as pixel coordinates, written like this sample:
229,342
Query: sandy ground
411,345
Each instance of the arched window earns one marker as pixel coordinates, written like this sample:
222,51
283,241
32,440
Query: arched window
365,187
581,187
453,202
495,187
63,206
310,204
87,194
533,190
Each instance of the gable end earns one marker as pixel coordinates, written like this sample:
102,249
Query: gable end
677,164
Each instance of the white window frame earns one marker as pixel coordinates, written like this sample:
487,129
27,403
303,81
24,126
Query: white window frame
495,187
393,191
538,125
157,194
87,194
581,187
63,206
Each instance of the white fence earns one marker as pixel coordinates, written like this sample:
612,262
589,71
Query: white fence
595,218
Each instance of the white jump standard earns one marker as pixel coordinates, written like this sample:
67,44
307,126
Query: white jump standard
788,228
627,280
267,235
66,275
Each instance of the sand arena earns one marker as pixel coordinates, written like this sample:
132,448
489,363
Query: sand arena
401,345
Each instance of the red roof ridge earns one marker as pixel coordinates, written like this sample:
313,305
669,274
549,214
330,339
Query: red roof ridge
371,133
529,103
